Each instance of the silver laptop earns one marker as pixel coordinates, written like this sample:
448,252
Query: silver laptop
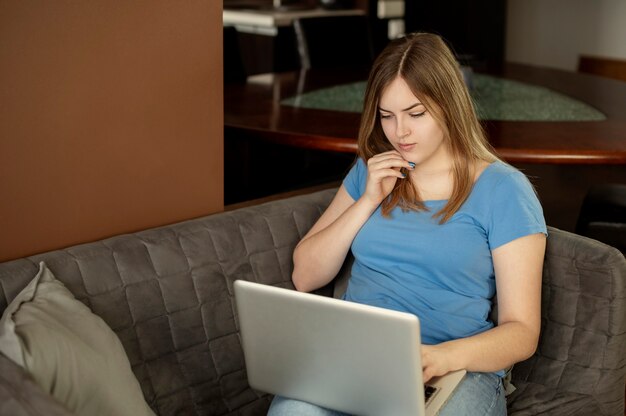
341,355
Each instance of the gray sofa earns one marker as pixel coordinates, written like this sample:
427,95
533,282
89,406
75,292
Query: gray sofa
167,293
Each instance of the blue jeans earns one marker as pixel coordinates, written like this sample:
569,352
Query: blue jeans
478,394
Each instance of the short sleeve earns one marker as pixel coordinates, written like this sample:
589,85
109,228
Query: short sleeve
515,210
356,179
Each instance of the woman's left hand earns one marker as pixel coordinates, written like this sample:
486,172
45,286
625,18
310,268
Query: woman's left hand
435,361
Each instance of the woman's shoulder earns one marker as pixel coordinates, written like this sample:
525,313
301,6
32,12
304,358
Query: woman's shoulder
501,181
498,173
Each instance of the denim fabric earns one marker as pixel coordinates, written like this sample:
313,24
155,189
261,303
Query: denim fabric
282,406
479,394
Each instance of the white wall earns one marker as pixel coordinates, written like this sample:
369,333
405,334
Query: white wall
553,33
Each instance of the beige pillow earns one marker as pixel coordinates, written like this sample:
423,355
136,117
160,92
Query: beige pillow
70,352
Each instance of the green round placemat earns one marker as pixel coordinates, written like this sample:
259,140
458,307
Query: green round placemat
495,99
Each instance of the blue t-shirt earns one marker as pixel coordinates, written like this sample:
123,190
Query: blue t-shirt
442,273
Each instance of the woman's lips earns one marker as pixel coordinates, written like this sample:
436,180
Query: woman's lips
406,147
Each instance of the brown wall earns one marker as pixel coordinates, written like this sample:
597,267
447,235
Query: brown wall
111,118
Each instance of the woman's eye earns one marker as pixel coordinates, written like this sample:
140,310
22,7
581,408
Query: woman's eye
416,115
385,116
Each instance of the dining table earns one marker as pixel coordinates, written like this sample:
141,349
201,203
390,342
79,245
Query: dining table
564,128
530,114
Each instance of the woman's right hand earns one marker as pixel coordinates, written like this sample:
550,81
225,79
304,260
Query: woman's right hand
318,257
383,170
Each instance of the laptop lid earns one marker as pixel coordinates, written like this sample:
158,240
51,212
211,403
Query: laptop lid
354,358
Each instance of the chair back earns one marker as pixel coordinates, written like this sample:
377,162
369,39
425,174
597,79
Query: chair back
234,69
334,41
603,215
604,67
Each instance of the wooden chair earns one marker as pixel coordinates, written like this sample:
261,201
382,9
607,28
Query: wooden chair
334,41
603,215
604,67
234,69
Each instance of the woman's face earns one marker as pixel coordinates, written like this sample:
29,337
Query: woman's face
411,128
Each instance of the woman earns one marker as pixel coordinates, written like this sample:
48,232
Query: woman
436,224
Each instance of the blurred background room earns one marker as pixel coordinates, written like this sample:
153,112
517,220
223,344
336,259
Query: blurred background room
116,117
548,79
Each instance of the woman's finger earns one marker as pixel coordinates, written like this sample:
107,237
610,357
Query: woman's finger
385,173
389,162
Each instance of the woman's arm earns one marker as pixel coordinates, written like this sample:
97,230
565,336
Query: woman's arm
321,252
518,267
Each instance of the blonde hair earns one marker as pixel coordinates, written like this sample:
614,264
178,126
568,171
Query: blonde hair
427,65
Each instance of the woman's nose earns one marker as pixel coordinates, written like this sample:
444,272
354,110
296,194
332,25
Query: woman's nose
402,130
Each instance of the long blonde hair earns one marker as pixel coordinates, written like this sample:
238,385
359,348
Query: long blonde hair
429,68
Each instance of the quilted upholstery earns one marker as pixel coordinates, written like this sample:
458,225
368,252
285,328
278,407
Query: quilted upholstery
581,360
167,293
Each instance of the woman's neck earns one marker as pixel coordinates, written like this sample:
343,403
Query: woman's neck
433,184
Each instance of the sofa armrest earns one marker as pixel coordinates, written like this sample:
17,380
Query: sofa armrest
582,348
21,396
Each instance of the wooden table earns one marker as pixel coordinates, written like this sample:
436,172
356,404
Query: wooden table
253,111
562,158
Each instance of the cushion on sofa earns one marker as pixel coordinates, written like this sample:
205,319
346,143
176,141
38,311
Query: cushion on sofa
70,352
21,396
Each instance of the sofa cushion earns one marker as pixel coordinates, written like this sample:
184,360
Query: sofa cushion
530,399
21,396
70,352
